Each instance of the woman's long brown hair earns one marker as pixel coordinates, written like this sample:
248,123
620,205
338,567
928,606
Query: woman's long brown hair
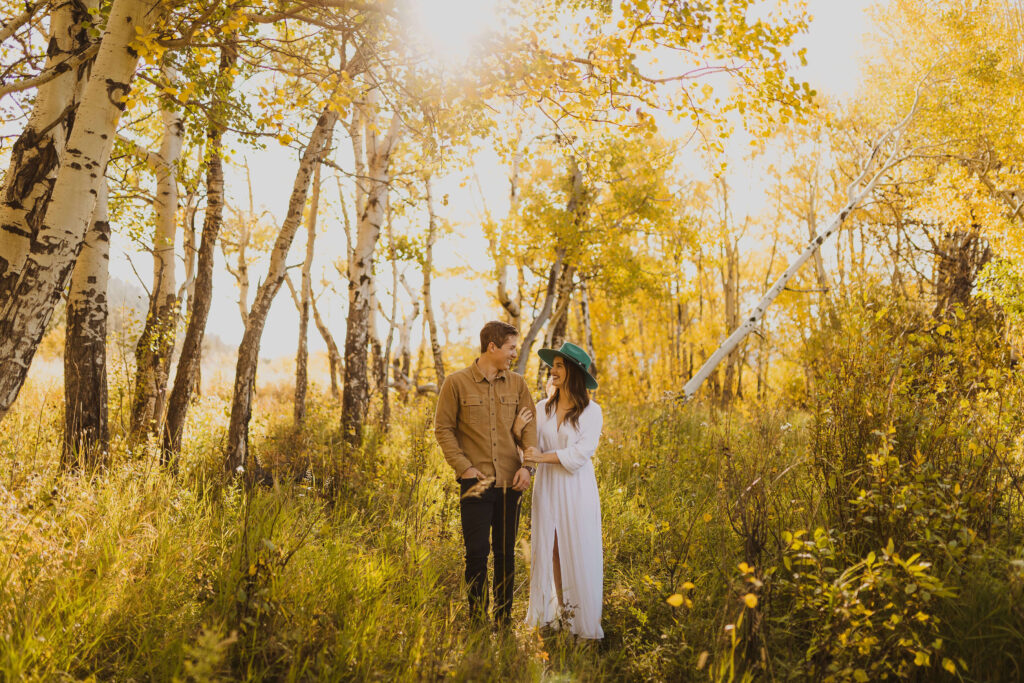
575,385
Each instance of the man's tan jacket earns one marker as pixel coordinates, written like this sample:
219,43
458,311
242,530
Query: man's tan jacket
473,422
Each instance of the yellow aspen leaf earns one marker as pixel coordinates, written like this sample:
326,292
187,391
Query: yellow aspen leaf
688,586
750,600
745,568
675,600
948,665
284,138
860,676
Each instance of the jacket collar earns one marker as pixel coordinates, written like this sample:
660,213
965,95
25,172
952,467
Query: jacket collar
478,376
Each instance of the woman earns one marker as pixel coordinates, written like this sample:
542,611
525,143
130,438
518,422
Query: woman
567,573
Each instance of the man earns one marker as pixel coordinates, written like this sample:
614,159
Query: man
473,425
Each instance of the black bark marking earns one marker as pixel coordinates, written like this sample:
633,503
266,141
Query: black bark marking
16,230
117,91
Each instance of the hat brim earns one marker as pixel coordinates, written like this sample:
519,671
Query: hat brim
548,356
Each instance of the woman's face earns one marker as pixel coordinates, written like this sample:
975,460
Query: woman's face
558,372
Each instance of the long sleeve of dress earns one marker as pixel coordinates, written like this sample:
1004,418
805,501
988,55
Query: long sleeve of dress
583,441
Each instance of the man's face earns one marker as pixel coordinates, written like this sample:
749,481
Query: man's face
505,355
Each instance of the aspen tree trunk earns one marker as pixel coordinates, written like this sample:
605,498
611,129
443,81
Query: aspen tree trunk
826,312
512,306
333,355
35,270
588,329
544,314
402,365
428,303
191,256
559,323
812,223
730,290
377,150
156,343
575,207
560,319
86,432
378,372
385,412
38,151
186,377
237,452
244,224
302,354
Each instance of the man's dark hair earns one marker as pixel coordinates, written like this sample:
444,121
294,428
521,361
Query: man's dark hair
497,332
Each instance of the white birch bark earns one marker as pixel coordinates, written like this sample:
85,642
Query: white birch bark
588,330
305,298
27,299
188,372
545,312
38,151
333,354
428,302
854,198
155,345
237,453
378,148
402,364
85,357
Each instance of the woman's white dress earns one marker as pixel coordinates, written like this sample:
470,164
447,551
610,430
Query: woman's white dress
565,501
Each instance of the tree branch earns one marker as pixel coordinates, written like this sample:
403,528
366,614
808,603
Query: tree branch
72,62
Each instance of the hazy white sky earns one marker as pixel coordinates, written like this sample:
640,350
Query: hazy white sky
833,51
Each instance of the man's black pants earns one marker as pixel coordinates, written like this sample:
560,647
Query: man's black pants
494,514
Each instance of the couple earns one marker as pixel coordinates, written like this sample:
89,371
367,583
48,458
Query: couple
485,414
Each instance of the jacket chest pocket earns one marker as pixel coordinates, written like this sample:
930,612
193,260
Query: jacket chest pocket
471,409
508,408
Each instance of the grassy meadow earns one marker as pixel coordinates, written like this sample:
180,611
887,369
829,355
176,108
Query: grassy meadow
869,531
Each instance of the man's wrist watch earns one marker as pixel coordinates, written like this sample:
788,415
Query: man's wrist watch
531,470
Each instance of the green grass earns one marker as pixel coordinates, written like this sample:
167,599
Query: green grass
349,566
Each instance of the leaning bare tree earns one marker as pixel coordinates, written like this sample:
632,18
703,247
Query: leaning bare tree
248,351
856,193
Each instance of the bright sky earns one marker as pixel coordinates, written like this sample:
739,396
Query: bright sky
833,53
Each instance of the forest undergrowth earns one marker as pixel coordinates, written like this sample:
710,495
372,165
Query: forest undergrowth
867,529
